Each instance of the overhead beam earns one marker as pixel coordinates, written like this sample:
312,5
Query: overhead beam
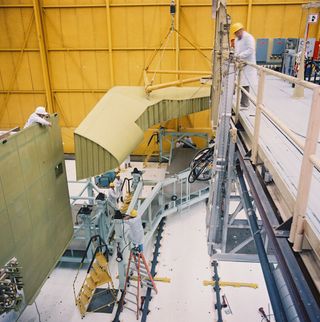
109,33
43,53
103,49
151,4
67,90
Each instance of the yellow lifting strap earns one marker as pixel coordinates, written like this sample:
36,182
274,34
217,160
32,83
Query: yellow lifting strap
233,284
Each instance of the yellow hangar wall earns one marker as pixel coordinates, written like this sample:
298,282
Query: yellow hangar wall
67,54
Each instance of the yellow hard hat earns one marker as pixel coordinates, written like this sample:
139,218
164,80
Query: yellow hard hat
111,185
236,27
133,213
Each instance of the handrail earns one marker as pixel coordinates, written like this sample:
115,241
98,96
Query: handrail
315,161
291,79
128,182
308,146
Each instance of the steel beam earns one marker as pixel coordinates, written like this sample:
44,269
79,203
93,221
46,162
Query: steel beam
273,291
241,258
150,4
177,26
249,14
63,49
38,14
109,32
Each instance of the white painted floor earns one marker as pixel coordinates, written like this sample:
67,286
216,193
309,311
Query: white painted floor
185,261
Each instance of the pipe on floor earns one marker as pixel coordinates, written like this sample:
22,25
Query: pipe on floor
273,292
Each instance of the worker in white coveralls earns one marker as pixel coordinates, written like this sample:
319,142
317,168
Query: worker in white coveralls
136,177
39,116
113,196
136,232
117,185
245,49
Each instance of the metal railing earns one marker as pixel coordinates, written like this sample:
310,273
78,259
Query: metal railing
167,197
308,148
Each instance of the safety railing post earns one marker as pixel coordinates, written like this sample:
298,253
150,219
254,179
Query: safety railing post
305,178
238,96
257,120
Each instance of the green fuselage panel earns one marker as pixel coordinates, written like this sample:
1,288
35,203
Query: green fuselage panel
35,215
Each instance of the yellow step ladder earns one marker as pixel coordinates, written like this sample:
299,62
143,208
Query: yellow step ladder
98,274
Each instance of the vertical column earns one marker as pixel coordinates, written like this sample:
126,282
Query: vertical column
177,22
109,32
238,96
249,14
38,14
257,120
298,91
300,209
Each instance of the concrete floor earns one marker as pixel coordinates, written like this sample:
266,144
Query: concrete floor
183,259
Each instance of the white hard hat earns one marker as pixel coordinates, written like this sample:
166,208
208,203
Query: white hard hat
41,110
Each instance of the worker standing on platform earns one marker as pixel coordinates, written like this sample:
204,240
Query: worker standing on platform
38,116
245,49
136,177
136,232
112,196
118,185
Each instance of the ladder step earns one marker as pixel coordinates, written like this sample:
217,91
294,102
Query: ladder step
84,300
131,293
101,260
90,283
147,283
87,291
94,276
126,299
144,277
97,268
134,286
141,270
129,308
100,276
